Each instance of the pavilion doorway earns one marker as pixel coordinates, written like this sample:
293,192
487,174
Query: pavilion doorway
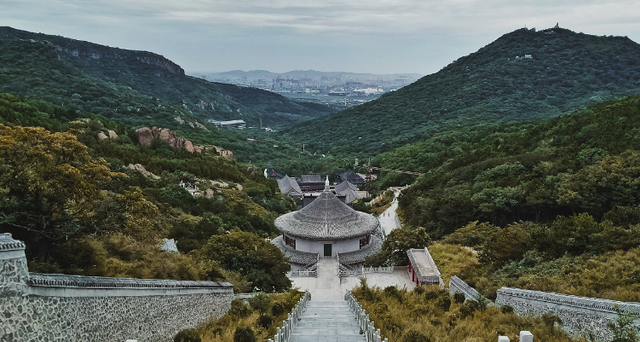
327,250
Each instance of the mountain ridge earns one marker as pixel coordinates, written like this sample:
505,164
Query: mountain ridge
523,75
151,82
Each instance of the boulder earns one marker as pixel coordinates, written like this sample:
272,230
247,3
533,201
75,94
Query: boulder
145,136
112,134
143,171
102,136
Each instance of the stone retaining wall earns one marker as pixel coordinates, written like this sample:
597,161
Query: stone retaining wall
581,315
55,307
458,285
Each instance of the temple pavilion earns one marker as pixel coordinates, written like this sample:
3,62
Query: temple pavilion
328,228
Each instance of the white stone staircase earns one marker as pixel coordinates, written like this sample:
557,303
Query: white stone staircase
327,321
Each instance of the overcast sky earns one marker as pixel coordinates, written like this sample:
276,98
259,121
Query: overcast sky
375,36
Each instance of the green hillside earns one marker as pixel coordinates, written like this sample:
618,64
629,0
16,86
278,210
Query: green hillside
566,71
134,87
550,205
81,210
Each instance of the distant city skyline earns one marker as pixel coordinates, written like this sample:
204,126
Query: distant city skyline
373,36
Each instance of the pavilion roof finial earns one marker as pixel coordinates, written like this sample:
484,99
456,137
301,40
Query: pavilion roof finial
326,184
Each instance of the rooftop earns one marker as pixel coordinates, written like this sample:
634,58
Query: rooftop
327,218
424,266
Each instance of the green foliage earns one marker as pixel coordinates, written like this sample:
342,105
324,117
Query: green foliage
260,302
568,71
394,248
262,263
239,308
262,325
244,334
70,197
458,297
622,329
532,172
265,321
187,335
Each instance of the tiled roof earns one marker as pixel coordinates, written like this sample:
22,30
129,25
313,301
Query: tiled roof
327,218
311,179
348,190
352,177
295,256
424,266
346,185
289,186
357,257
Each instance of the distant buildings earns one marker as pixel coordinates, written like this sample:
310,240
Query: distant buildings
239,124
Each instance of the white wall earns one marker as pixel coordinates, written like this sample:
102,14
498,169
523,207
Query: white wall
337,246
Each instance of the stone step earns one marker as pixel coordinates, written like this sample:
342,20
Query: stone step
327,321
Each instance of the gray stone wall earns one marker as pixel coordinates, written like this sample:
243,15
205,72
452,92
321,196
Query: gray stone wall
581,315
43,307
458,285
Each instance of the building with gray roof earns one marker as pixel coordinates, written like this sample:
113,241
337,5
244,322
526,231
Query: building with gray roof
289,186
327,227
348,190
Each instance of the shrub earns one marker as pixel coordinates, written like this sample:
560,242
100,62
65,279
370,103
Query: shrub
239,308
506,309
260,302
458,297
444,303
265,321
244,334
187,335
277,309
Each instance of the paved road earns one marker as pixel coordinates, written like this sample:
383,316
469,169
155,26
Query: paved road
389,219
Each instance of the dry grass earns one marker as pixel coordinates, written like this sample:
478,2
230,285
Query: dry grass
426,315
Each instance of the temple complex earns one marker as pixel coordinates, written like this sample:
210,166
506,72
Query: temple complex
328,228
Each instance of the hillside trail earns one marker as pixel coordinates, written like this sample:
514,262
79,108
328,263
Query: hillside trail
389,218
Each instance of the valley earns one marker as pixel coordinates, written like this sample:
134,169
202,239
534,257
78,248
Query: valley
522,162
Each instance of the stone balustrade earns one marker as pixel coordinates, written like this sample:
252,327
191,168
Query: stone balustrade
284,334
365,324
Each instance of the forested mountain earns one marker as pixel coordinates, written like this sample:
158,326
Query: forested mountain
523,75
550,205
83,207
133,87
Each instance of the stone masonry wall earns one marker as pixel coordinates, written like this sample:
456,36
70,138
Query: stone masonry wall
581,316
43,307
458,285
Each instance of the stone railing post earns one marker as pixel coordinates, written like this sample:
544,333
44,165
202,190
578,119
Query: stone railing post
526,336
503,339
14,273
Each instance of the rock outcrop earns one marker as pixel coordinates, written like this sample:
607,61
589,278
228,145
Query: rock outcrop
110,135
143,171
146,136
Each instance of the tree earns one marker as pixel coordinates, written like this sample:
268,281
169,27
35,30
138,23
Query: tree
46,177
262,263
394,248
